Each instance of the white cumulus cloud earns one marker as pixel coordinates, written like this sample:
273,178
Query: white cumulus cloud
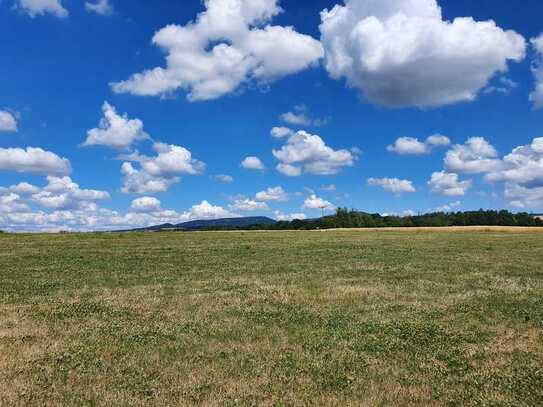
401,53
412,146
524,166
33,160
308,153
8,123
223,178
394,185
115,131
448,184
252,163
17,215
280,216
231,43
281,132
248,205
11,203
450,207
136,181
41,7
24,188
475,156
205,210
160,172
63,193
523,197
102,7
300,117
522,173
314,202
276,194
146,204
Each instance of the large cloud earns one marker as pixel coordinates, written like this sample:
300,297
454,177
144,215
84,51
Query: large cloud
63,193
522,173
41,7
308,153
10,203
523,166
33,160
523,197
476,155
15,215
229,44
401,53
115,131
22,188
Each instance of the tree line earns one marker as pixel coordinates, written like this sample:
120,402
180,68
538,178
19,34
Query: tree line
344,218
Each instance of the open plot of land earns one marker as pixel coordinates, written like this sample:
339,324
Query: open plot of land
282,318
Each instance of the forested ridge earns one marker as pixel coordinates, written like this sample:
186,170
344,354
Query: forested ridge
345,218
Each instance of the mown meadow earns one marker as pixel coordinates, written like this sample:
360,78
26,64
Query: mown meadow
386,318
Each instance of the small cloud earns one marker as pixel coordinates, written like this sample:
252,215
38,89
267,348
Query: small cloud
280,216
412,146
504,86
36,8
223,178
276,194
252,163
300,117
328,188
309,154
146,204
314,202
102,7
281,132
115,131
248,205
393,185
448,184
8,122
448,207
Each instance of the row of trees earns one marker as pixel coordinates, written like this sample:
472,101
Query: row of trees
344,218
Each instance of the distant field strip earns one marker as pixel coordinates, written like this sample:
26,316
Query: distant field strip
511,229
336,318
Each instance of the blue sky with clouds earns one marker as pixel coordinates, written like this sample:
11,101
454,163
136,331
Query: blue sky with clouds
125,113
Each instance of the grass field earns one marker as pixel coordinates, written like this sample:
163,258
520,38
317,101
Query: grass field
281,318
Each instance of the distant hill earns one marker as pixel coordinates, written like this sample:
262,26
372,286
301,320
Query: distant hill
227,223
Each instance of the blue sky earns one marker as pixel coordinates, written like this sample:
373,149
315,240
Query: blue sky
412,73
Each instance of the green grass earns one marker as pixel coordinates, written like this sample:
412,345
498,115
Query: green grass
272,318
